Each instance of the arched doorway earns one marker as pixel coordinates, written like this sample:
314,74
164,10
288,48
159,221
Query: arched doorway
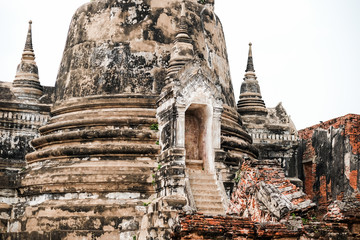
198,137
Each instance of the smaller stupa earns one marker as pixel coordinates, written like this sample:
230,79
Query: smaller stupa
251,102
26,85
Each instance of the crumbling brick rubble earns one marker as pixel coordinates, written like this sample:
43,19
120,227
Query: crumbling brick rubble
264,194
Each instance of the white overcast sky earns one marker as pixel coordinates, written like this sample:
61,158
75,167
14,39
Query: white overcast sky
306,52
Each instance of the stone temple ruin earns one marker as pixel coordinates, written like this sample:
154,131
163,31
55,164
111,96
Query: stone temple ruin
142,138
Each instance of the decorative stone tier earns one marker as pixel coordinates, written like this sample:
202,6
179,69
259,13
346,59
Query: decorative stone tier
27,89
270,137
19,116
251,103
237,145
113,217
234,137
19,124
95,144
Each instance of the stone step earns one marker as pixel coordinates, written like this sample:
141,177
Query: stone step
205,201
206,193
194,162
211,211
208,205
201,176
201,197
212,208
203,182
198,188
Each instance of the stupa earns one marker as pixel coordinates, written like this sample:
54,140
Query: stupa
143,113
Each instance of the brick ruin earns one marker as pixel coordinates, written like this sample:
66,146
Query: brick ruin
142,138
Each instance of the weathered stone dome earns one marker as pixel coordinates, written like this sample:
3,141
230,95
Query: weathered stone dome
116,47
113,69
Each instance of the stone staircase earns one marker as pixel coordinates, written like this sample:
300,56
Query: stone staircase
206,194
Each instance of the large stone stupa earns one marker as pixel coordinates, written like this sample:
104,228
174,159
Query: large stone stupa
144,105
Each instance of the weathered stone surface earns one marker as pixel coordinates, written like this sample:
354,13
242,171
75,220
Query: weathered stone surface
107,44
144,136
5,91
332,143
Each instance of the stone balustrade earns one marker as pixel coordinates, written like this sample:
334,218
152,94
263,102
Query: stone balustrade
266,136
20,120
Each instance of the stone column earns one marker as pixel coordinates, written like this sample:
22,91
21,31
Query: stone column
216,128
180,127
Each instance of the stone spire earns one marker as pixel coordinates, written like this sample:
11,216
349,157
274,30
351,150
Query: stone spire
26,84
28,43
250,64
251,102
183,49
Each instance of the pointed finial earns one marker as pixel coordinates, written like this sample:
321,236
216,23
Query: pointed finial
183,9
250,64
28,43
183,16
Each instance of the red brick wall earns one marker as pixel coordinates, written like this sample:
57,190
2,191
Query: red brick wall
350,129
209,227
309,179
198,226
